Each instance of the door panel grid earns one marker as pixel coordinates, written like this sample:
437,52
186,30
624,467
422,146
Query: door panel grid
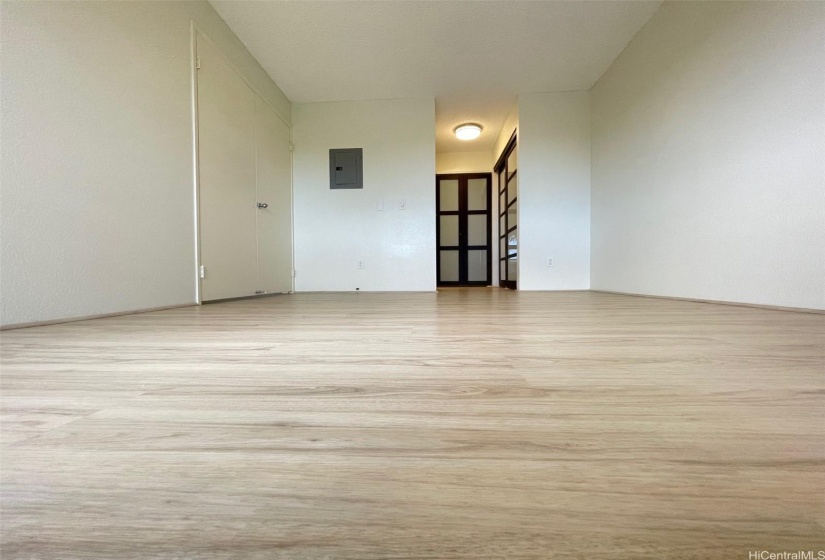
507,178
463,229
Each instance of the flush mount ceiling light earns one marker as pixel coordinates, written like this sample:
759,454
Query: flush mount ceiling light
468,131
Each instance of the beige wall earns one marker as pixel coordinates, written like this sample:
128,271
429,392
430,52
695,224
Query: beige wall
463,162
97,154
510,126
554,190
709,156
334,229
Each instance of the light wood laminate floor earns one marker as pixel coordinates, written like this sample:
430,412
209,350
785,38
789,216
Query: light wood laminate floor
474,423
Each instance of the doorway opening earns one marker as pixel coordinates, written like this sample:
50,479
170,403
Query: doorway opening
464,229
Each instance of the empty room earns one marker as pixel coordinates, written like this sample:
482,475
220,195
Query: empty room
357,279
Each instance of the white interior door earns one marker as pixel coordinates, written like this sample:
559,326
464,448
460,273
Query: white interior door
227,197
274,171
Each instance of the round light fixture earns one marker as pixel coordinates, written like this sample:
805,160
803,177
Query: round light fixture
468,131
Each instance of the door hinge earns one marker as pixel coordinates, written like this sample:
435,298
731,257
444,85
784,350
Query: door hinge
198,63
293,273
291,147
202,271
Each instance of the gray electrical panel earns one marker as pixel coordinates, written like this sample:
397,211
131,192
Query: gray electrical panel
346,168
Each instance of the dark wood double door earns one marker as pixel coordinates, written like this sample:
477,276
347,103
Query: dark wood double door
463,229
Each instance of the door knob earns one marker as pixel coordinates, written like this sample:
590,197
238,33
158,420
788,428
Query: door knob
263,205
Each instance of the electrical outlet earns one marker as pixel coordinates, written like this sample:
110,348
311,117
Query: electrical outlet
549,262
402,204
361,265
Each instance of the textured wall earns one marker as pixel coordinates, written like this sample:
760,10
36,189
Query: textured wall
334,229
554,190
97,174
463,162
709,156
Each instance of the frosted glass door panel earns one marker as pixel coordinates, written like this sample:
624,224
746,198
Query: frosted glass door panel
512,162
449,194
476,229
512,269
449,231
512,216
477,194
477,265
512,189
449,266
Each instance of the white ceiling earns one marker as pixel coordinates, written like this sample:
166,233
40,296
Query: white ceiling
473,57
